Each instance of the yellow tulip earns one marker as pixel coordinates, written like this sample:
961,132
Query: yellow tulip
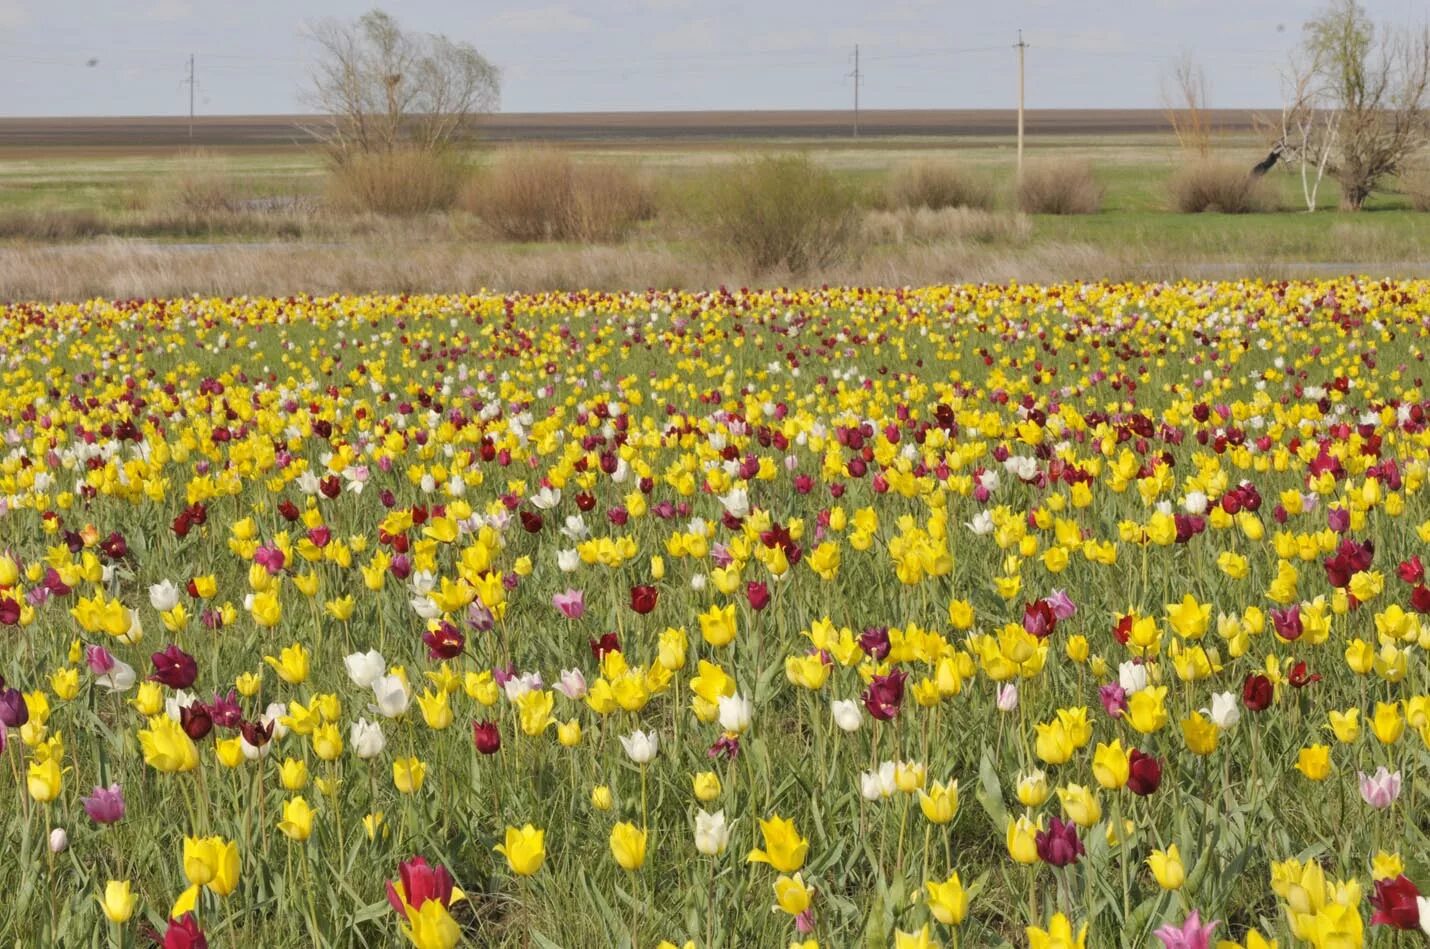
118,901
291,664
940,802
432,927
524,849
44,780
1167,869
297,822
784,848
948,901
407,775
628,845
792,895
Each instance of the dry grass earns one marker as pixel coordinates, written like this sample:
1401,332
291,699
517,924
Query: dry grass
1218,186
938,185
124,269
948,225
541,194
399,183
1058,187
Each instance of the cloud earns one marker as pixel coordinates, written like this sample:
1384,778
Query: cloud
557,18
13,14
169,10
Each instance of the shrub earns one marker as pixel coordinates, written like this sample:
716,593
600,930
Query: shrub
401,182
199,184
780,211
1218,186
534,194
1058,188
936,185
1415,182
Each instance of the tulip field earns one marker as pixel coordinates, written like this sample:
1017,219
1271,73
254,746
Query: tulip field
1081,615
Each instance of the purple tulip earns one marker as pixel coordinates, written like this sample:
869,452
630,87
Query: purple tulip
13,711
1059,844
105,805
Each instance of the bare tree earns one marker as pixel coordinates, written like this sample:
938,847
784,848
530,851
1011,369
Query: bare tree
1184,102
1305,134
384,88
1376,82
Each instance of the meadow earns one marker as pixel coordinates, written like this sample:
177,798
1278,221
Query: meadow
1087,614
259,219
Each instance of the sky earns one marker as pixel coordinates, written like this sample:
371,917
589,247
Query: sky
129,57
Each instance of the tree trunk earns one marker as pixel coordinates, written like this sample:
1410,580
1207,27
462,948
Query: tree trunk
1353,197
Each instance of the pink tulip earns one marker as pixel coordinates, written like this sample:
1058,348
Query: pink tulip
1379,790
571,603
1190,935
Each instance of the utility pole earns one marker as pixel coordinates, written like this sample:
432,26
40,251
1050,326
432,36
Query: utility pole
190,82
1020,47
858,76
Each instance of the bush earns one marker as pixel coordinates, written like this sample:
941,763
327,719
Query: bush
534,194
1218,186
780,211
199,184
1415,182
1058,188
936,185
399,183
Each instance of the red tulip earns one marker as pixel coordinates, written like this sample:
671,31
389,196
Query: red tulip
487,737
1144,773
884,695
758,594
1395,904
420,883
1257,692
174,667
643,599
444,642
184,933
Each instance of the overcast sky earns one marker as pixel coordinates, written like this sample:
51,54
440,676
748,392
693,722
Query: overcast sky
127,57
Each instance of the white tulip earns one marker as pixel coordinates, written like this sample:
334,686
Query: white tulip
392,696
1225,711
567,561
735,712
164,596
846,714
712,834
641,747
366,739
120,678
1132,676
365,668
59,840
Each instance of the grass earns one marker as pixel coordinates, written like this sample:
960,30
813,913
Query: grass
280,196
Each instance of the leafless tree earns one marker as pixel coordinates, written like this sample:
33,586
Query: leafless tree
1184,102
1375,83
1304,135
383,88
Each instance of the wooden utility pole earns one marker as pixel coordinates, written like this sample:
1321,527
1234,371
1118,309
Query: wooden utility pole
857,77
190,82
1021,46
